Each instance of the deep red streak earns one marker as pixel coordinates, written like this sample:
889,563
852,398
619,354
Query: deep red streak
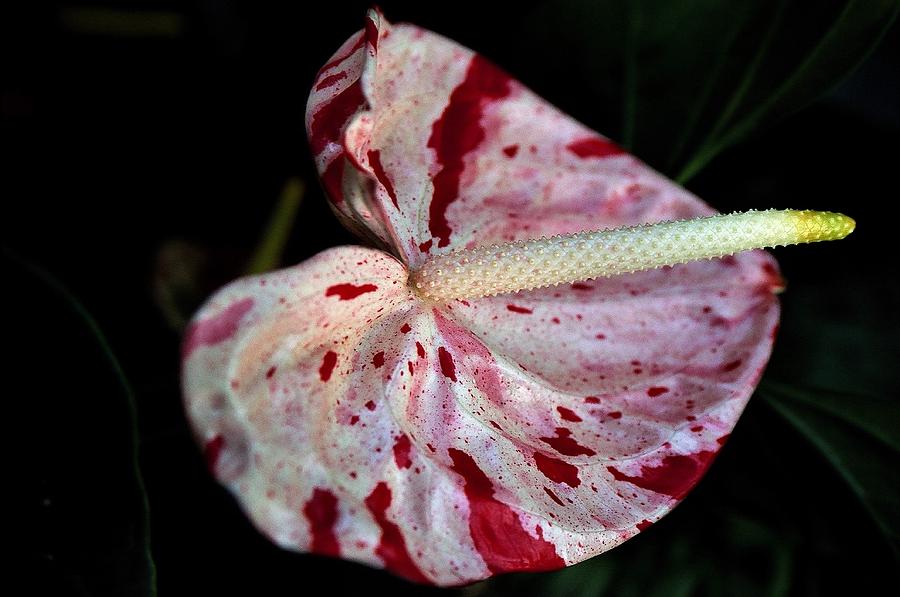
644,525
360,42
565,445
553,497
581,286
221,327
448,367
420,350
370,405
392,546
333,179
517,309
731,366
457,132
496,530
426,246
557,470
327,123
592,400
405,328
568,415
594,147
402,447
321,512
330,80
656,391
328,363
212,450
371,32
381,175
674,476
378,359
348,292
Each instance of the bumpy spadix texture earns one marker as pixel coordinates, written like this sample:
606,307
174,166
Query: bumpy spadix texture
525,265
449,441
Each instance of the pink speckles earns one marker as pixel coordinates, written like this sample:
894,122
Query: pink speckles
557,470
457,132
322,514
594,147
568,414
348,292
566,445
402,447
731,366
208,332
328,363
382,176
655,391
378,359
674,476
448,367
518,309
511,150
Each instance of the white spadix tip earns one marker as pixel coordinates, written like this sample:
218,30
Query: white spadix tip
525,265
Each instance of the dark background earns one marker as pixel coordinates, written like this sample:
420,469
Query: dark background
163,132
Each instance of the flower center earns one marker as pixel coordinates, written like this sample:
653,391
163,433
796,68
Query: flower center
563,259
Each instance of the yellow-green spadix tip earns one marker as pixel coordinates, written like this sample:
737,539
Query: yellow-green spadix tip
525,265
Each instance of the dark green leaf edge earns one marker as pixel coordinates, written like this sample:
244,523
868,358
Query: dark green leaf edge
742,128
811,433
81,311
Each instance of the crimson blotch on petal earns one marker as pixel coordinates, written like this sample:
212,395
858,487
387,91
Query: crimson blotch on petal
450,442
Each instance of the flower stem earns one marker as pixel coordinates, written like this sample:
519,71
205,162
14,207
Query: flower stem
525,265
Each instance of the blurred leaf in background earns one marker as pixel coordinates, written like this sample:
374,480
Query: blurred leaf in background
84,508
678,82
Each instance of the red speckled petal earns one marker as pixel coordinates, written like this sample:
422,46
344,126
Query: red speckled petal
426,147
449,443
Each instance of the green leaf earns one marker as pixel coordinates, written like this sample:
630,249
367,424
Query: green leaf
86,508
859,436
267,255
677,83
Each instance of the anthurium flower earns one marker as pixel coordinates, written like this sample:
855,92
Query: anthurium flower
403,407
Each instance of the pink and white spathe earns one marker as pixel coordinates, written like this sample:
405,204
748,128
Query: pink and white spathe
451,442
